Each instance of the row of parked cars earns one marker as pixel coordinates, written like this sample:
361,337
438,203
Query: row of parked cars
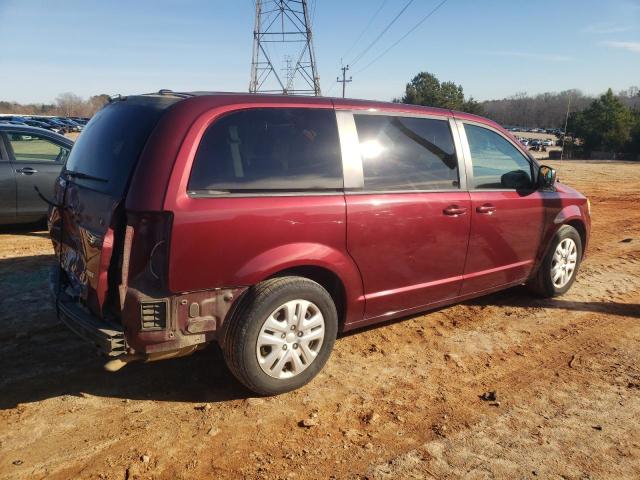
59,125
536,142
558,132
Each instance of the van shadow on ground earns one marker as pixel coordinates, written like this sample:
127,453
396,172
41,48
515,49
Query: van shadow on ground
40,358
521,297
34,229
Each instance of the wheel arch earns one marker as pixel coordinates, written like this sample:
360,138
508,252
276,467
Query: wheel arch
325,277
332,268
576,221
582,231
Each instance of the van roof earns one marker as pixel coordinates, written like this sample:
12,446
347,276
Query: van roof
182,108
339,103
295,99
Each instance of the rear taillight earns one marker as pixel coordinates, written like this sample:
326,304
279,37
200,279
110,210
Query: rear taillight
148,244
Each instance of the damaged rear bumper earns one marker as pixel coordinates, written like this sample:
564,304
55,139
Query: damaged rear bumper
106,336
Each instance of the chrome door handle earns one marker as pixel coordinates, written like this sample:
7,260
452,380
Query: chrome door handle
454,210
486,209
27,171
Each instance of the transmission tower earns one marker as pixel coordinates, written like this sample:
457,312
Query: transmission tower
282,32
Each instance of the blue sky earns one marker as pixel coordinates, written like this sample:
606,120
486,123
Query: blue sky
493,48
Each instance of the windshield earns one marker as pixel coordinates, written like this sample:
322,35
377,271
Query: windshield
107,151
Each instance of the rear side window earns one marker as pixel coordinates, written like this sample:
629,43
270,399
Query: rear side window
406,153
496,162
269,149
111,143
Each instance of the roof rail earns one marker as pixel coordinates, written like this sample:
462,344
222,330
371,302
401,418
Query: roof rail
166,91
116,97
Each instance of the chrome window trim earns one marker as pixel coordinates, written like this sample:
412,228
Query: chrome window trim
353,175
460,157
394,113
265,194
393,192
469,160
466,153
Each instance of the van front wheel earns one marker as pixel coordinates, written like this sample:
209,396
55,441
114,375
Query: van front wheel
281,335
559,268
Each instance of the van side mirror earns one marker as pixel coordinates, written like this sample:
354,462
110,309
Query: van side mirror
546,177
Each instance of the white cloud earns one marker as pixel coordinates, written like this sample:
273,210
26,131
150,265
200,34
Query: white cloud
545,57
630,46
606,28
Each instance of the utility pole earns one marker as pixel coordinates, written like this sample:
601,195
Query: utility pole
566,121
344,81
282,31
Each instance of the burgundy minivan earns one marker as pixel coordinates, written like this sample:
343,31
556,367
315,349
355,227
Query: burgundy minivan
271,223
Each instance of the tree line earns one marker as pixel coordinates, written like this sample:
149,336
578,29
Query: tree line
548,110
65,105
608,123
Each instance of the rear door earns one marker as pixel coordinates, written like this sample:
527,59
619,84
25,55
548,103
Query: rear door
92,188
408,225
507,212
36,160
7,186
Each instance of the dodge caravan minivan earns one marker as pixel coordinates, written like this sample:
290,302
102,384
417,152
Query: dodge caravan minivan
269,224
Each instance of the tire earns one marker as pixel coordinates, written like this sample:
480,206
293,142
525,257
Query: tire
269,310
544,283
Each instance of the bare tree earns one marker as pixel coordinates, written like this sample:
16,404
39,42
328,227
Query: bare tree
70,104
67,104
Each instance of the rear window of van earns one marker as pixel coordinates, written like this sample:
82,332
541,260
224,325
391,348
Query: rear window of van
111,143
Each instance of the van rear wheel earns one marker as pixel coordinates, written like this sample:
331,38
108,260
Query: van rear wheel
281,334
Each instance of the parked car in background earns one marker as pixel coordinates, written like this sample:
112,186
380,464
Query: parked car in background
28,157
269,223
74,126
54,122
80,120
12,122
12,118
38,124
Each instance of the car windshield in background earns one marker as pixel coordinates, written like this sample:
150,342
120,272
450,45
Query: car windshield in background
106,153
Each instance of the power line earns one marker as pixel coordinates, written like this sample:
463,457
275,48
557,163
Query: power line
385,30
312,9
331,88
395,44
371,20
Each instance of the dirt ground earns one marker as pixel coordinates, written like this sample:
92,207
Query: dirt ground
395,401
